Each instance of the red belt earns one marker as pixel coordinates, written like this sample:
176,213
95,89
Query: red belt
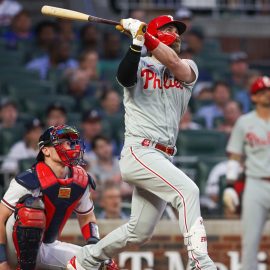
166,149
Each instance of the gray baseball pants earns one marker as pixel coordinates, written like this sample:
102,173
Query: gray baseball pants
157,182
256,206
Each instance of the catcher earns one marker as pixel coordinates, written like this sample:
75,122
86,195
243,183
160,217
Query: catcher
39,201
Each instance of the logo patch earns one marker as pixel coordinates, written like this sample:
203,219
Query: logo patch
64,193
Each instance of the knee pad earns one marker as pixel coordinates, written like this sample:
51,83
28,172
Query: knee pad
196,239
28,229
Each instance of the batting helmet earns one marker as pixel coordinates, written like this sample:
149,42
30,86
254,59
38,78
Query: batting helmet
260,84
55,136
166,38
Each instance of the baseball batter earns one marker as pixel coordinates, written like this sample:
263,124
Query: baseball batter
157,89
250,142
39,201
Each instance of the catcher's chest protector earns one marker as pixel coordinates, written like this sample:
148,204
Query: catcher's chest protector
60,197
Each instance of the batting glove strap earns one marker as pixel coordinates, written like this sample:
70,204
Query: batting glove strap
3,254
91,233
150,42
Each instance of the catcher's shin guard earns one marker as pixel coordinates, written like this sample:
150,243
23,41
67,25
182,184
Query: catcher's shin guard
28,231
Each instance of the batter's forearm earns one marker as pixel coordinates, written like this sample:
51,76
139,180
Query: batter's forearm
168,57
127,70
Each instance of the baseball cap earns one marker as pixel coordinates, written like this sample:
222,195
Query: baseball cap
44,140
7,102
91,116
56,106
183,13
201,86
238,56
32,124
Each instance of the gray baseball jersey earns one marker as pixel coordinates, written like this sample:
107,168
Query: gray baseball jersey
154,107
251,137
156,103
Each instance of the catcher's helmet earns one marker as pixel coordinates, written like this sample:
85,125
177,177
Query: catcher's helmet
55,136
166,38
260,84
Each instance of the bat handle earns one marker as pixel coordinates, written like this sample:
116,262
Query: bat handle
144,29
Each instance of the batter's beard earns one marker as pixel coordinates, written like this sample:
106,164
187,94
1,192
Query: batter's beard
176,46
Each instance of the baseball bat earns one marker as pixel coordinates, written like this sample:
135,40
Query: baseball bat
73,15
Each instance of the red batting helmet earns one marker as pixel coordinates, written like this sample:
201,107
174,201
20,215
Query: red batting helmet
260,84
166,38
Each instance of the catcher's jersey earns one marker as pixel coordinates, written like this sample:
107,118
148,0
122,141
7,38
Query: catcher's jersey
154,106
251,137
17,191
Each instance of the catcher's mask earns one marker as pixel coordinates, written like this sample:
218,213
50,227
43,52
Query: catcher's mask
166,38
55,136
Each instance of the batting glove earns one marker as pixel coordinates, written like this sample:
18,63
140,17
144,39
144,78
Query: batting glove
135,27
231,199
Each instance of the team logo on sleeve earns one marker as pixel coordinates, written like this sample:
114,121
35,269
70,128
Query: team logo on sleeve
254,140
153,81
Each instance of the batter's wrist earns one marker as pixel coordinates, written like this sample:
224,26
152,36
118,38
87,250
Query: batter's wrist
3,254
136,48
150,42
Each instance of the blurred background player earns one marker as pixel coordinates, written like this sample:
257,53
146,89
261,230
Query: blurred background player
250,143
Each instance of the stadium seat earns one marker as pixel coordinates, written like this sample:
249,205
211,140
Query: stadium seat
201,143
38,104
74,118
11,58
26,163
108,69
8,74
218,121
199,120
116,127
89,104
205,165
189,165
8,136
29,88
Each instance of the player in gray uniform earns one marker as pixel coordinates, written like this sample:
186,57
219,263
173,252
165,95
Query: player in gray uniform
250,142
156,93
